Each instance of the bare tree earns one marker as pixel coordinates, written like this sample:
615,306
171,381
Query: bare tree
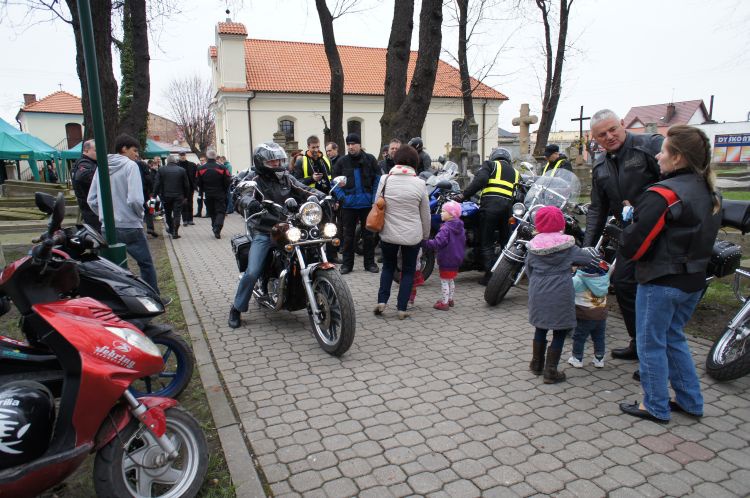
135,90
553,67
189,103
397,65
337,72
408,120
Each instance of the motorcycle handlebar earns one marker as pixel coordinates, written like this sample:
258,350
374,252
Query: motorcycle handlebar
41,252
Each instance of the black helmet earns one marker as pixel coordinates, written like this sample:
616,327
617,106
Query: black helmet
27,414
501,154
417,143
269,151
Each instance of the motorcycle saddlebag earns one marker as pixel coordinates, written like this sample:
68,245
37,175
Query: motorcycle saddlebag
725,258
241,250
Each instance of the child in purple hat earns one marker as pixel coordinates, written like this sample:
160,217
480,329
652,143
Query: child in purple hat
551,295
449,244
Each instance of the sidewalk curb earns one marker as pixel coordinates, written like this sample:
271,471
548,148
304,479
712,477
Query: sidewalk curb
237,450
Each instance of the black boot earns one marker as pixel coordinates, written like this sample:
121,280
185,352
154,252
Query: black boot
175,234
234,317
537,357
630,352
551,374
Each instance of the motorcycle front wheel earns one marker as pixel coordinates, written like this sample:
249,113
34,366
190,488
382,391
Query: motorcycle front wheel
729,357
501,281
177,372
133,463
335,331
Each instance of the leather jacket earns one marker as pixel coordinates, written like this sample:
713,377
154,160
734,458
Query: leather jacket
273,189
172,182
620,176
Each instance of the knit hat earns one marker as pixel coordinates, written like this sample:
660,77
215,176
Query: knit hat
549,219
453,208
353,138
551,149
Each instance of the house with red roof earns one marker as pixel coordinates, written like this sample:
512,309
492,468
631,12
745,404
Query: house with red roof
58,120
662,116
265,86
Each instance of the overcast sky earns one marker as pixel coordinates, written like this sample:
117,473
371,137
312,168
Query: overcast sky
625,53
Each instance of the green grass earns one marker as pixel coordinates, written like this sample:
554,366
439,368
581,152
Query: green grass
736,195
218,482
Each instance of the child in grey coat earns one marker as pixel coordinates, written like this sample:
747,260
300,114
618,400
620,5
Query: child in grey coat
551,295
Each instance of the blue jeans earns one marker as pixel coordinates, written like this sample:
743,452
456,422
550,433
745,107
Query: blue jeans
661,312
408,267
137,246
594,328
258,252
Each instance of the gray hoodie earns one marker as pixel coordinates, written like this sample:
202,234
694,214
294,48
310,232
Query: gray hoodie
127,192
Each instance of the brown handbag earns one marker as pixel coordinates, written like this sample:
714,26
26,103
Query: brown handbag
376,216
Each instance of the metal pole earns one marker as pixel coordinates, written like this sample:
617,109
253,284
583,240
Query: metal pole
115,252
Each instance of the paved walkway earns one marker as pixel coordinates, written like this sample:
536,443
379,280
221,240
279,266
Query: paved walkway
442,404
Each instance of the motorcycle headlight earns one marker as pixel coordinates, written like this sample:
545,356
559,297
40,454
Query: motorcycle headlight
329,230
135,339
519,209
311,213
293,234
150,305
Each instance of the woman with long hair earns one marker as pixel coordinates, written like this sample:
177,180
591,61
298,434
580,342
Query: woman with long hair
674,228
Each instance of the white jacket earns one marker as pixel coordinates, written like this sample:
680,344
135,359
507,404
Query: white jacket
407,207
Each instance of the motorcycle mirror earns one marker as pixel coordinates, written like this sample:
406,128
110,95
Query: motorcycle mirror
291,204
58,213
45,202
340,181
528,166
444,185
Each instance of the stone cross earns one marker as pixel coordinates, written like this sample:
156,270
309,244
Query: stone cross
524,120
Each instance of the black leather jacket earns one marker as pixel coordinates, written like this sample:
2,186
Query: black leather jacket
273,189
172,182
621,176
83,174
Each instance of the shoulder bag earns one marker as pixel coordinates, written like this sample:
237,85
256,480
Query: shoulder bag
376,217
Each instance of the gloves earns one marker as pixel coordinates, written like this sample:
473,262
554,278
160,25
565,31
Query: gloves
458,197
612,231
249,203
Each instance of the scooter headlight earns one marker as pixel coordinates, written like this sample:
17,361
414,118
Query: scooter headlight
150,305
135,339
519,209
329,230
294,234
311,213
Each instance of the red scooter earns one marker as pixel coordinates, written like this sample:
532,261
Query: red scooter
144,447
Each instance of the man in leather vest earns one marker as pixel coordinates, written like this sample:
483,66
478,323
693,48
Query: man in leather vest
618,179
173,188
497,180
555,160
82,173
314,168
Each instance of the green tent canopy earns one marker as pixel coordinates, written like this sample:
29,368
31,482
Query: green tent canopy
19,146
152,150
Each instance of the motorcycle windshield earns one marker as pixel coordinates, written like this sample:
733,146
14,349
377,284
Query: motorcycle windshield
558,189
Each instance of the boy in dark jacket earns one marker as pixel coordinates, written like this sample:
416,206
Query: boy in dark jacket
449,244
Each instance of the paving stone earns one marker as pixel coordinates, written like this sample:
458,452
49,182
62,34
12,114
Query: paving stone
343,487
586,488
462,489
424,483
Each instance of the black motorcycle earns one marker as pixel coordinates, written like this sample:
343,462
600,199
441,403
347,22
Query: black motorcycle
297,274
131,299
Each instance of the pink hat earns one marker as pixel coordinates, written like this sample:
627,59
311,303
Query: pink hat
549,219
453,208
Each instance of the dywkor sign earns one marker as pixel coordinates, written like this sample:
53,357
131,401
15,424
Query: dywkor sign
731,148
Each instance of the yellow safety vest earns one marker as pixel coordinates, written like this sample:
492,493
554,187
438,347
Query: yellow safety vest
554,168
307,174
500,182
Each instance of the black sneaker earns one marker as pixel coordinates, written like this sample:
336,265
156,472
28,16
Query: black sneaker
372,268
345,269
234,317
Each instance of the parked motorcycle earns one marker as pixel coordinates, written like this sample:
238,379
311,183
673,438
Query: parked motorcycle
297,274
560,190
144,447
131,299
729,357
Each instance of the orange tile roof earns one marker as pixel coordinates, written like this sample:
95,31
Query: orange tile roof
232,28
59,102
657,113
296,67
212,51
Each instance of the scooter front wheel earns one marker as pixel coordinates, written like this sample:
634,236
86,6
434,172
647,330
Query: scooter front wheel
133,463
178,368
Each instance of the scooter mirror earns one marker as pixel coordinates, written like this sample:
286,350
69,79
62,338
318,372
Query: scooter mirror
58,213
45,202
291,205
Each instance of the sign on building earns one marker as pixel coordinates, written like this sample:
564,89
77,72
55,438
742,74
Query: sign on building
732,148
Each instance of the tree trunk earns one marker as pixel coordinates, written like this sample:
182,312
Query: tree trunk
409,119
134,64
553,75
337,72
397,65
463,64
101,13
